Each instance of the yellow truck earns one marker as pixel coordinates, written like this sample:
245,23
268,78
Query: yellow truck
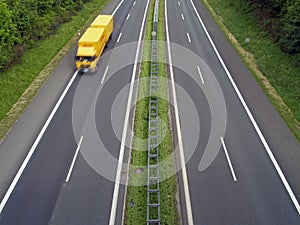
93,42
104,21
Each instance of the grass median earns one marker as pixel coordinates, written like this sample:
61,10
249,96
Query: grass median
20,83
136,201
276,72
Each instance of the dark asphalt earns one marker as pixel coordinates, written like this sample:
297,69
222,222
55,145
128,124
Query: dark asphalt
41,195
284,145
258,196
87,197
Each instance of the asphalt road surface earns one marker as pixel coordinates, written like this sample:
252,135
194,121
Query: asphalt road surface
43,195
231,177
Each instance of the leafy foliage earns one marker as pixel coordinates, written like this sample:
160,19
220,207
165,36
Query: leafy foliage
24,22
281,69
290,40
7,34
281,19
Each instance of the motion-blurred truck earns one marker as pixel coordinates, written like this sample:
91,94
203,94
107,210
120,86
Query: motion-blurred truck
93,42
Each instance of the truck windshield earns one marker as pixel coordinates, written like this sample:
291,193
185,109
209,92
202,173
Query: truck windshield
85,58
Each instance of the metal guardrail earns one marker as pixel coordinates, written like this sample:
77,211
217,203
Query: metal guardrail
153,193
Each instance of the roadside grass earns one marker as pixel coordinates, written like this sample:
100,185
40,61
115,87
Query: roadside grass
136,202
19,84
277,73
136,196
168,190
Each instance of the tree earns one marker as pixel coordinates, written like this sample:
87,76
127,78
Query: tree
44,7
24,22
290,37
7,35
25,18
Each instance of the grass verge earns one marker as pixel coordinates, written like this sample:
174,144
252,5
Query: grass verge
136,202
276,72
19,84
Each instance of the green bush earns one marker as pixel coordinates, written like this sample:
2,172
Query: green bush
281,19
290,37
24,22
7,35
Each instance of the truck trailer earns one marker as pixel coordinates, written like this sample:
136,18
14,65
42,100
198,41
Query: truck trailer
93,42
104,21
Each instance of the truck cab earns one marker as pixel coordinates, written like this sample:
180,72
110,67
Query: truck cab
93,42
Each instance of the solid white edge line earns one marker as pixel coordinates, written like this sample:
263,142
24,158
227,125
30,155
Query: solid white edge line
128,16
122,148
182,16
180,144
200,74
33,147
119,38
258,131
74,159
37,140
116,9
189,38
228,159
128,166
134,3
104,75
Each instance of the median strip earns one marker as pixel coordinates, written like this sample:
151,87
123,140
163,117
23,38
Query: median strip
126,122
136,200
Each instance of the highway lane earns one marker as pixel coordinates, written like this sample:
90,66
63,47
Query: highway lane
274,128
83,199
258,196
36,193
28,126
